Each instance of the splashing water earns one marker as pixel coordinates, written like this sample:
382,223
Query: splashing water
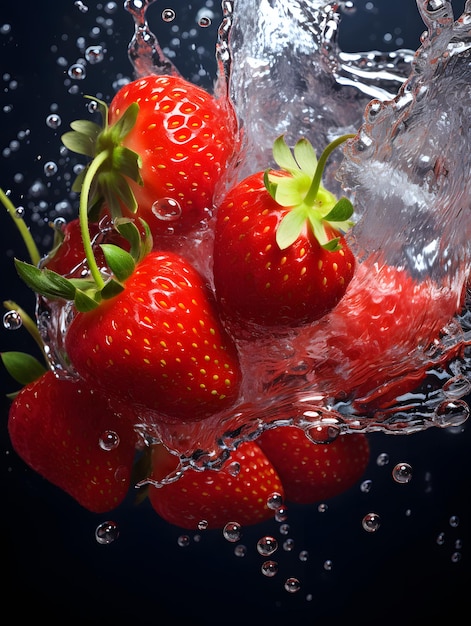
408,367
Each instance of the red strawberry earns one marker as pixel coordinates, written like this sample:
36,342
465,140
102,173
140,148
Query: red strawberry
238,492
56,427
279,256
313,472
165,146
159,343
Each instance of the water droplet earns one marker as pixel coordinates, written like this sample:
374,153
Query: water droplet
303,555
167,209
183,541
233,468
269,568
240,550
77,71
288,545
322,507
322,433
454,521
168,15
274,501
204,21
267,545
452,413
328,564
106,532
20,211
455,557
402,473
365,486
371,522
284,529
440,539
12,320
202,524
109,440
382,459
53,120
94,54
232,532
292,585
50,168
281,514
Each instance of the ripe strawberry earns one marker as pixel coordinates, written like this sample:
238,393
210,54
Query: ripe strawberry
158,343
238,492
56,427
280,258
164,150
313,472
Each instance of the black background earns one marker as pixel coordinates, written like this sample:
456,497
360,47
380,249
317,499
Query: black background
54,568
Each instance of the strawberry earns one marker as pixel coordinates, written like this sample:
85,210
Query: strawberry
237,492
313,472
163,150
280,258
56,427
158,343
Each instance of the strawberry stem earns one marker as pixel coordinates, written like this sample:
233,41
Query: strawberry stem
28,323
311,195
92,170
29,242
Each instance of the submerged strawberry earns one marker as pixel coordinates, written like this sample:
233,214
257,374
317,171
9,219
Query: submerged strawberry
66,432
313,472
163,151
158,343
238,492
280,257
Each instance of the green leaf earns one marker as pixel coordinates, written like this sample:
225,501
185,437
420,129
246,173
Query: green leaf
111,289
126,122
23,367
290,228
283,155
86,127
128,163
305,156
79,143
78,182
84,302
269,184
290,191
45,281
120,262
341,212
332,245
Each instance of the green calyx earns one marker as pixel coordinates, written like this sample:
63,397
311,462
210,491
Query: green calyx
298,187
113,164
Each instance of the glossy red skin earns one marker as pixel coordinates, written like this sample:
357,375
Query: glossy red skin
314,472
159,343
185,138
247,259
55,426
216,496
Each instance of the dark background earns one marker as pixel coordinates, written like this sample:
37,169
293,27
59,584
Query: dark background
53,566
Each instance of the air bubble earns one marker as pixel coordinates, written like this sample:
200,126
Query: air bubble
402,473
292,585
274,501
371,522
269,568
454,521
168,15
81,6
53,120
12,320
5,29
204,21
303,556
50,168
284,529
281,514
365,486
322,507
167,210
232,532
267,545
106,532
183,541
77,71
382,459
94,54
440,540
233,468
455,557
240,550
288,545
328,564
109,440
202,524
